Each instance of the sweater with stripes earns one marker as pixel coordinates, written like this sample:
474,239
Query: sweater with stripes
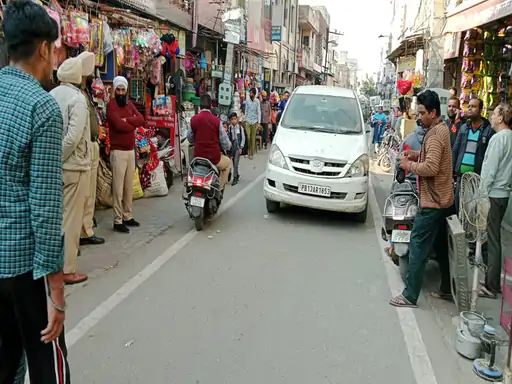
434,168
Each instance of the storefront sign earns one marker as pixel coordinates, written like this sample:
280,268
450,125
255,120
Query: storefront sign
406,64
478,15
162,122
299,57
451,45
276,33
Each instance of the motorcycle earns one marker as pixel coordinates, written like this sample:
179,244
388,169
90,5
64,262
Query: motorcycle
202,192
400,208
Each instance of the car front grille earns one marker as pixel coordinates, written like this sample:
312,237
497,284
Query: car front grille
331,168
334,195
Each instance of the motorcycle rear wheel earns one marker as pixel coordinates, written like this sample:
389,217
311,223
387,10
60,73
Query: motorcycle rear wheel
199,223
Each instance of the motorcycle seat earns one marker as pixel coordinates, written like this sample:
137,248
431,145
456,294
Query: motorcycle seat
204,162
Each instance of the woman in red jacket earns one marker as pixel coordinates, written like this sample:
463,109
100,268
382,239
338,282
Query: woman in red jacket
123,118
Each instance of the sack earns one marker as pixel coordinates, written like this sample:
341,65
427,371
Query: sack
137,188
158,186
104,196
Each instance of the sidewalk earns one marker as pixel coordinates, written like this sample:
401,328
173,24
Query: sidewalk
444,312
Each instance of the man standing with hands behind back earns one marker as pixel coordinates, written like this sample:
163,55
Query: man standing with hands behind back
432,165
123,118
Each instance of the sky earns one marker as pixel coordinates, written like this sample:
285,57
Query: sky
362,21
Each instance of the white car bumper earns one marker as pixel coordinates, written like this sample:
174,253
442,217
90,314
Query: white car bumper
347,194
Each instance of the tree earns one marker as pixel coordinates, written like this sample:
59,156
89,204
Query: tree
368,87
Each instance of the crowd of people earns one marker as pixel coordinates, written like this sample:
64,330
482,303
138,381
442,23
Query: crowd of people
435,156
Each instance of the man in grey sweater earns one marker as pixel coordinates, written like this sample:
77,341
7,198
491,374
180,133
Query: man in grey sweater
497,183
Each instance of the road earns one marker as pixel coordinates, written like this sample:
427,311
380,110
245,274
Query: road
295,297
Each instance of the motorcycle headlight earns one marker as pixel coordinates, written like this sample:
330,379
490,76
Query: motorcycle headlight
276,157
360,167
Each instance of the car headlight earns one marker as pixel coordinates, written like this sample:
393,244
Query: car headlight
276,157
360,167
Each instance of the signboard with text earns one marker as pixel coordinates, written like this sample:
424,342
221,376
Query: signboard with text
276,33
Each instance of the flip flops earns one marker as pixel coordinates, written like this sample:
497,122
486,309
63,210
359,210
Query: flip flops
401,302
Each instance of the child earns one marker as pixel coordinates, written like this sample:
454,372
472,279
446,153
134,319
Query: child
274,122
236,134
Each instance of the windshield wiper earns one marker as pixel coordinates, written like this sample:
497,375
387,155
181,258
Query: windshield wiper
304,127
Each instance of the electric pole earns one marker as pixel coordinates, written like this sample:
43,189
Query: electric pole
327,35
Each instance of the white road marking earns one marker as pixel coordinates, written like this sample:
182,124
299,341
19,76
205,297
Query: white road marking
102,310
416,349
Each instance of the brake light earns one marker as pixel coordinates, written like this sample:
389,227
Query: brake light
402,226
198,193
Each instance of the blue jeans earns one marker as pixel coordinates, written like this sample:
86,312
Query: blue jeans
429,233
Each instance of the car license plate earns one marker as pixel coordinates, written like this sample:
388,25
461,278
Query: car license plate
400,236
197,201
314,190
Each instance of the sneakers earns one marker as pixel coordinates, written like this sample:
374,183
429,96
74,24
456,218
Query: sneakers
124,226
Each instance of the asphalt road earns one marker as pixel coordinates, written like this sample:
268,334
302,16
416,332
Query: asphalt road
295,297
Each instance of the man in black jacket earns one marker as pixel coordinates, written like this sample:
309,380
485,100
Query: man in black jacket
454,121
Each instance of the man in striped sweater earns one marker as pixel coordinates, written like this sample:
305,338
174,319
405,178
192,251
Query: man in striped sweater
433,167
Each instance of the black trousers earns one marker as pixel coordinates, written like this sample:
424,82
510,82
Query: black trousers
23,315
492,258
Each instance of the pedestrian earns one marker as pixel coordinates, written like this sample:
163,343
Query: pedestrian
76,157
471,144
274,122
123,119
265,117
236,135
379,126
88,237
453,91
454,120
435,187
497,182
253,119
282,103
32,306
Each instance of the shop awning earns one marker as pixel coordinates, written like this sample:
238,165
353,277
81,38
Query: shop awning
480,13
408,47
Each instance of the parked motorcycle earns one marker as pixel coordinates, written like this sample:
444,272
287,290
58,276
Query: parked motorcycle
202,193
400,209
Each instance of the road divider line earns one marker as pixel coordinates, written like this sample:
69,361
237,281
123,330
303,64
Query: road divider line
416,348
102,310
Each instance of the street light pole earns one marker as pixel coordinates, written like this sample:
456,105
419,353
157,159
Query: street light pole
327,34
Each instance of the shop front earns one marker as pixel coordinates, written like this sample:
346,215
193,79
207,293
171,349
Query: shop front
481,35
131,44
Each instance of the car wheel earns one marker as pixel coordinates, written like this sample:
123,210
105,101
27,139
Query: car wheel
360,217
272,206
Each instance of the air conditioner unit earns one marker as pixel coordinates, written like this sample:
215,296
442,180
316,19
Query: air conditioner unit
459,268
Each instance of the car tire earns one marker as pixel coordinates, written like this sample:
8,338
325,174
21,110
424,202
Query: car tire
361,217
272,206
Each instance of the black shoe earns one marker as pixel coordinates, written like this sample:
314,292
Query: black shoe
131,223
93,240
121,228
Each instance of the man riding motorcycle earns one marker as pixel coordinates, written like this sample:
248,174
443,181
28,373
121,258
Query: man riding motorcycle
207,134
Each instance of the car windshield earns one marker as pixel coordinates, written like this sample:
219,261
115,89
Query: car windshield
331,114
